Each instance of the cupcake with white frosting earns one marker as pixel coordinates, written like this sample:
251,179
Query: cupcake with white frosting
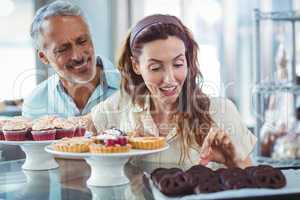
43,130
64,128
80,123
28,123
15,130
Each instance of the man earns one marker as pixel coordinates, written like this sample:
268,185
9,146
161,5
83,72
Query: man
63,40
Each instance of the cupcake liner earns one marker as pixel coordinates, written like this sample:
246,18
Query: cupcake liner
2,135
43,135
29,135
61,133
12,135
80,131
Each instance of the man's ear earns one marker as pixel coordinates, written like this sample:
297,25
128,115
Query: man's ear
43,57
135,65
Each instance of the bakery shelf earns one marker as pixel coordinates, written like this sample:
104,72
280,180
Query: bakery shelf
263,88
274,87
278,16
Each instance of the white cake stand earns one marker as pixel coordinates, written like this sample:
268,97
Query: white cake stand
106,169
36,157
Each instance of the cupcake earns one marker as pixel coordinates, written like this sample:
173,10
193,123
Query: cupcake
15,130
43,130
28,124
2,122
80,123
64,128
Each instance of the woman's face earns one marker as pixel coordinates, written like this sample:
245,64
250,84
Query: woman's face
163,66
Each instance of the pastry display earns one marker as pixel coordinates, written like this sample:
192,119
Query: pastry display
74,145
147,142
287,147
200,179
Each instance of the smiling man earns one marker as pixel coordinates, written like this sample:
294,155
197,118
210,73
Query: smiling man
63,41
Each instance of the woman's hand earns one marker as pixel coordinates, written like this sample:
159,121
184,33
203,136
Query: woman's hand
90,125
218,147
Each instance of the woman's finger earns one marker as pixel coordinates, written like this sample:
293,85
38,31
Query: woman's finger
205,159
220,136
215,155
208,142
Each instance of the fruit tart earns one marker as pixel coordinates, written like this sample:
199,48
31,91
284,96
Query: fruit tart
110,141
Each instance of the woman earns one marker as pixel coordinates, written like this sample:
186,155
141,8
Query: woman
160,95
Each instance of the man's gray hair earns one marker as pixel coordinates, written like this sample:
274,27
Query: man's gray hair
57,8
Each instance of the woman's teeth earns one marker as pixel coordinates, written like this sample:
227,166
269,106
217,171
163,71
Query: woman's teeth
167,89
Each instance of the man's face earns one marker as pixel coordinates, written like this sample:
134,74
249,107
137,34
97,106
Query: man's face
67,46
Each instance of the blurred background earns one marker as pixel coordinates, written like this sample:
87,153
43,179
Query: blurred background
223,29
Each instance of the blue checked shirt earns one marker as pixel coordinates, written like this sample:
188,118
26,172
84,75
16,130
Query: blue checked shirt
50,98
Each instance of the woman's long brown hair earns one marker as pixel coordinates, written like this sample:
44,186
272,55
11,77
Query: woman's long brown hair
192,118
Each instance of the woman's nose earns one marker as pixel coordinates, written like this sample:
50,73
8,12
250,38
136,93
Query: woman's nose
169,76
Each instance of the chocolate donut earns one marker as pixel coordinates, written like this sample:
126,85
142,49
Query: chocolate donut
234,178
198,169
203,179
158,173
207,187
200,177
175,184
266,176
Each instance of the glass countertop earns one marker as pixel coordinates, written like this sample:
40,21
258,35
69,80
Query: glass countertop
69,182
